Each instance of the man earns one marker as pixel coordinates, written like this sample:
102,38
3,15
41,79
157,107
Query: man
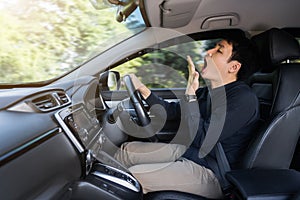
160,166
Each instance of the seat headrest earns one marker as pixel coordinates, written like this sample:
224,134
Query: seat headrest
275,46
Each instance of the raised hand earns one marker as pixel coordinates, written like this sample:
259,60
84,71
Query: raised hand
193,80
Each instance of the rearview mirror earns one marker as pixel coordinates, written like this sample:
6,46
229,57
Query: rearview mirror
125,7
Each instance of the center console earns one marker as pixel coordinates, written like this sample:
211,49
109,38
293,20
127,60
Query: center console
105,178
105,182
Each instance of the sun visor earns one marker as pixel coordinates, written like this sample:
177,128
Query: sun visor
177,13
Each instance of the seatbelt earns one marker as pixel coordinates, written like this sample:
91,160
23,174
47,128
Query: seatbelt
216,108
223,166
212,141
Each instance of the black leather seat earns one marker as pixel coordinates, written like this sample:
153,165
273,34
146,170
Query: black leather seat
269,156
273,49
276,142
274,146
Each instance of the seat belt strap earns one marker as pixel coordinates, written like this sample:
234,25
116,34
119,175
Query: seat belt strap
223,165
216,109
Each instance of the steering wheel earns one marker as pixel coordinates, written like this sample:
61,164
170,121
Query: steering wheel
136,100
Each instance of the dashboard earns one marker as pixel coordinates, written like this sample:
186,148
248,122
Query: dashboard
56,144
82,128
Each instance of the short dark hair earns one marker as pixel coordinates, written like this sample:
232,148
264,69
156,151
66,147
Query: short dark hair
244,51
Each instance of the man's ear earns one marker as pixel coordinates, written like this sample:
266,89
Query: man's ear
235,67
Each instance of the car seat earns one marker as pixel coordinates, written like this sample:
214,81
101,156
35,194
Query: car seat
273,148
277,50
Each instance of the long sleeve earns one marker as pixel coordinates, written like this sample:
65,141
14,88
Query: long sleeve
234,113
172,109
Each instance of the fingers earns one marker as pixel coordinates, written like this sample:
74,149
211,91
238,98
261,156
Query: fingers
145,92
191,65
196,76
193,80
193,74
132,76
136,82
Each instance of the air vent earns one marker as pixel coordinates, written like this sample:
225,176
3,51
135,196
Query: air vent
45,103
63,98
50,101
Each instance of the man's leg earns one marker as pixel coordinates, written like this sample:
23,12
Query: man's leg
183,175
133,153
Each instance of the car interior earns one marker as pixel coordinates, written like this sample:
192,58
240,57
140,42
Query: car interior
58,137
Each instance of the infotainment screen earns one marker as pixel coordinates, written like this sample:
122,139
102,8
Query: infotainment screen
81,126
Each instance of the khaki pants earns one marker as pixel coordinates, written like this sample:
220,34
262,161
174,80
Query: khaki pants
158,166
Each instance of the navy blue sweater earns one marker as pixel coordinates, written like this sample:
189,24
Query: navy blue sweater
231,111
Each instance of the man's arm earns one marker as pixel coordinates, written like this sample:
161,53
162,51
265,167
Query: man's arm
145,92
172,109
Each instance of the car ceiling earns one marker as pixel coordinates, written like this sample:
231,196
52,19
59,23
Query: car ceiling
202,15
193,16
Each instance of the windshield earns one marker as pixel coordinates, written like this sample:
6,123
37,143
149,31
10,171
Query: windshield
43,39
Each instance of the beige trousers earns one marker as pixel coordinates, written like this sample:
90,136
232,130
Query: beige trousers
157,167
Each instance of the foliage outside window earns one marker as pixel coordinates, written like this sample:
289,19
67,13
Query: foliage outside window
43,39
167,67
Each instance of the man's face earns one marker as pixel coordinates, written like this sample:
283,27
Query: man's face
216,62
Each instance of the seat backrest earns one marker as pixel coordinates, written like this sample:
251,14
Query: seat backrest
263,84
273,48
275,143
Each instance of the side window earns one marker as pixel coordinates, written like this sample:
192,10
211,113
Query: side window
166,67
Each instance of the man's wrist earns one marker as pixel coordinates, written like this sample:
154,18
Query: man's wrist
190,97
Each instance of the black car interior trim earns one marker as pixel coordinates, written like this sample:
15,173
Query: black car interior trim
27,146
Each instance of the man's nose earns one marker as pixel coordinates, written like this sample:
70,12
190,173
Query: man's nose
210,52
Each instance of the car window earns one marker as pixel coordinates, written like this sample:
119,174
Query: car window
44,39
167,67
